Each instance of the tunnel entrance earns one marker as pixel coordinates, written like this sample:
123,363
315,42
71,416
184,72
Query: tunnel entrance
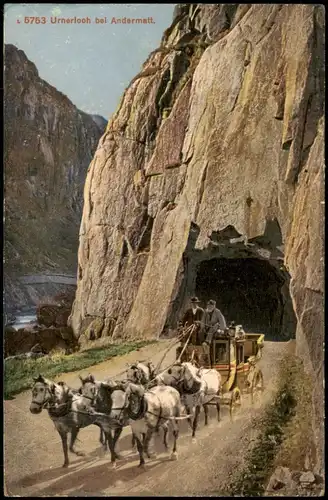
249,291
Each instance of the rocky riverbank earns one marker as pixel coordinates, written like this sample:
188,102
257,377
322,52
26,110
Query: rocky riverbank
47,334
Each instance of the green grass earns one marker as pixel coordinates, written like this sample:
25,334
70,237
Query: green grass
18,374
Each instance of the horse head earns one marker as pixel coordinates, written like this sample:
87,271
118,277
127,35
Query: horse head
43,393
191,377
134,400
138,373
113,398
151,369
66,392
133,373
90,387
171,376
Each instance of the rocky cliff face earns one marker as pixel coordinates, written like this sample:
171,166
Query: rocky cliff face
49,144
215,156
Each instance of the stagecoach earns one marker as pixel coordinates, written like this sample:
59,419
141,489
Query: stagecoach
235,358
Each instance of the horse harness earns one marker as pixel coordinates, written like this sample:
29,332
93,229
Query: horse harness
54,410
142,407
46,401
143,411
60,409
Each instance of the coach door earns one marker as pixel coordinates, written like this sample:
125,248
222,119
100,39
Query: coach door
221,354
240,352
221,358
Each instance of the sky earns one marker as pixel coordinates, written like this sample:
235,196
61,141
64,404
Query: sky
91,63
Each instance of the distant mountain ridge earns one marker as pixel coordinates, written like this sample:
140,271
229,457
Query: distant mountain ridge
49,144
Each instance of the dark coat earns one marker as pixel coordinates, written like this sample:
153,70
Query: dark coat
189,316
189,319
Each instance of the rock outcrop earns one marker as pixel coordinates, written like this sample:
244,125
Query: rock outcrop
56,313
50,340
215,151
49,144
287,483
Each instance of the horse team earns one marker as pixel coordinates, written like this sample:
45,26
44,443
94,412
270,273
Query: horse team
146,401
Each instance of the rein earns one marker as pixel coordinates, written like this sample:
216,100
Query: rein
45,405
180,337
57,411
92,412
142,412
176,340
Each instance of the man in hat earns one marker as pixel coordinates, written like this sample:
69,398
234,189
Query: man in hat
213,320
193,316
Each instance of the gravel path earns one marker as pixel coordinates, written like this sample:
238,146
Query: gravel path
33,452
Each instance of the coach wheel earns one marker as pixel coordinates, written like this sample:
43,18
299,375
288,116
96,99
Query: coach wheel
257,386
235,402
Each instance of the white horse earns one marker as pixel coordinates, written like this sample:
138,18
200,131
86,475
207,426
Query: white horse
144,411
143,374
197,387
158,407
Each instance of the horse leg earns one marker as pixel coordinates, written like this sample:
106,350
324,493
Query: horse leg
103,440
146,442
117,434
175,425
195,422
166,430
140,450
74,433
218,410
101,437
134,442
189,413
63,436
110,441
206,414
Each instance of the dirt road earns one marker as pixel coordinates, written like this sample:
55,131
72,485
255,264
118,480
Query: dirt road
33,452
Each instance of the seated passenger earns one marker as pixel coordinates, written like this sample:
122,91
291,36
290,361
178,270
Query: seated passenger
193,316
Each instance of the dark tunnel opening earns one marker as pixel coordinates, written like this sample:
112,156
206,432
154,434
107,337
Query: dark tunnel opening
251,292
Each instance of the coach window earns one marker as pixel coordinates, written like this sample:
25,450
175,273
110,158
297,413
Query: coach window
240,353
221,352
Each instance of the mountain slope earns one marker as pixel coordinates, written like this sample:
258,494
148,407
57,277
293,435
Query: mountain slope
49,144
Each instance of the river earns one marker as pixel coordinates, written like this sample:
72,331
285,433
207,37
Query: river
24,319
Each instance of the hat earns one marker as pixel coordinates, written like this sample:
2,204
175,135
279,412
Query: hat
194,300
211,303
